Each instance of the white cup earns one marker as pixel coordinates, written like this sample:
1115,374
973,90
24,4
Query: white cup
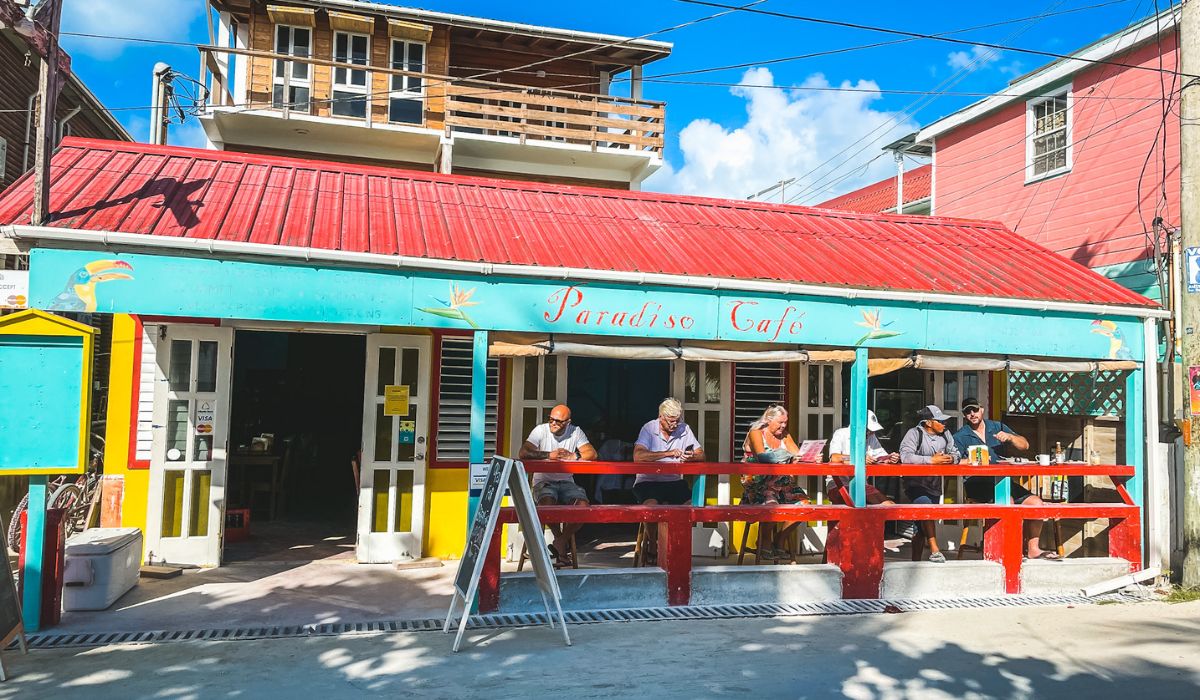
1044,460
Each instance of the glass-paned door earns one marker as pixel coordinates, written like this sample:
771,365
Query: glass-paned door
703,388
190,445
539,384
820,401
294,77
349,84
391,507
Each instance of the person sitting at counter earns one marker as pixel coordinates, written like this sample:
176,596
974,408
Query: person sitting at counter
664,439
559,440
768,442
999,439
839,452
927,442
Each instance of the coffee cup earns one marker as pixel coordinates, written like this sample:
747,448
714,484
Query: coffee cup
1044,460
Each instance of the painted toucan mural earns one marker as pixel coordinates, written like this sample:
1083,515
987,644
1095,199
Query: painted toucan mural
80,292
1117,349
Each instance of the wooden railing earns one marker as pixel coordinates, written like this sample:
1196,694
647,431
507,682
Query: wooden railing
458,105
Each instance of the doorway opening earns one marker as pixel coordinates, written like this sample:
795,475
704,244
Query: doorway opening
296,426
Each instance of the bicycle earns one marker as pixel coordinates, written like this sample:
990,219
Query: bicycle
75,497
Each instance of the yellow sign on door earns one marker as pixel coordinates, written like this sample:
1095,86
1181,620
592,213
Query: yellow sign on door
395,400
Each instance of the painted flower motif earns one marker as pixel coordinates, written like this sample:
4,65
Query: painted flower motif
877,329
459,299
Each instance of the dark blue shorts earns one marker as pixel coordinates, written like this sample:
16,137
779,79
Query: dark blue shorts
671,493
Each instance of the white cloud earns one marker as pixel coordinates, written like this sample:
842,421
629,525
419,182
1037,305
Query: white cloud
143,19
977,58
787,134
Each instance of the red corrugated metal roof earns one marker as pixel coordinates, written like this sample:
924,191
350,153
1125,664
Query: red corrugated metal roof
881,196
202,194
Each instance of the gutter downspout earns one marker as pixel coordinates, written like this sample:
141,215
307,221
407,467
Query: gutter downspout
28,128
209,247
62,123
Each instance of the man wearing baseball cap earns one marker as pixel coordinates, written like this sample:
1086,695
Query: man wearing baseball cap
927,442
839,451
1000,440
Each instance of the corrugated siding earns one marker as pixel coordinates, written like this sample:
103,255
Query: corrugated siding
1091,214
170,191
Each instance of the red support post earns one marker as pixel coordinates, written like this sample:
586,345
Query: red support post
489,580
1125,541
1003,542
675,555
855,545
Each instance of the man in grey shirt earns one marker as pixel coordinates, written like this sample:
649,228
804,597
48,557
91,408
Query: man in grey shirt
928,442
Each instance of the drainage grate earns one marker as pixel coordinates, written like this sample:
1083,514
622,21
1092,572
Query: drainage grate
52,640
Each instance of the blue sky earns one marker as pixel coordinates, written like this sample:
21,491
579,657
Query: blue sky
722,140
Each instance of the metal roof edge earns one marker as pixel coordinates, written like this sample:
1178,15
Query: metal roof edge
1055,72
110,239
485,23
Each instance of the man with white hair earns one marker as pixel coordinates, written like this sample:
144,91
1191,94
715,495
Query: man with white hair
664,439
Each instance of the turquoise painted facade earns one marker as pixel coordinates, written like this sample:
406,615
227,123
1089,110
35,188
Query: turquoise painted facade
201,287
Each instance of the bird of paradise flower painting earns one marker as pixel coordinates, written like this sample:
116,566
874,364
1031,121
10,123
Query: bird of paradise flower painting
455,307
876,328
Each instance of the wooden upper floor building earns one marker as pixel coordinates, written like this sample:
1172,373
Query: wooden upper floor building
367,82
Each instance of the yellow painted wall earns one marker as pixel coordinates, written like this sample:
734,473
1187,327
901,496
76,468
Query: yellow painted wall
117,427
446,513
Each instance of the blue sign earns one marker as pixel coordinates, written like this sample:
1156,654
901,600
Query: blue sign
1191,266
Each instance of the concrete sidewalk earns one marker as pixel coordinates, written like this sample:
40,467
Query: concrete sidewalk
1142,650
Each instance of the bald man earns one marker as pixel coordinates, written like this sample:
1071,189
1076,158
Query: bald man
558,439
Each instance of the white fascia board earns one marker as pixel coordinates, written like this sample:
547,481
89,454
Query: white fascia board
1055,73
130,242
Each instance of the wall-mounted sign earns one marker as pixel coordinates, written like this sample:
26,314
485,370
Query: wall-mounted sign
395,400
1191,267
1194,389
408,432
14,289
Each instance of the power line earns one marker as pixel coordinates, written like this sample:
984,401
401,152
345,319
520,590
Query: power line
920,35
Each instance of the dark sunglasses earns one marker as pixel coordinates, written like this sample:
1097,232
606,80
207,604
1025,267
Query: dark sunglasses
562,421
971,409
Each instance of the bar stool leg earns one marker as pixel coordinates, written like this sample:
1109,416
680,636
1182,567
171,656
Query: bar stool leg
742,549
639,545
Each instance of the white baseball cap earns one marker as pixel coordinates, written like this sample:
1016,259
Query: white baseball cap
873,422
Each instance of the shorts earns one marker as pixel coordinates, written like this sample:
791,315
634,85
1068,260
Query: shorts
874,495
982,489
757,490
564,493
672,493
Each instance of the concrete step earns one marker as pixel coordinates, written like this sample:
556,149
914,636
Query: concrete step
800,583
587,589
1069,575
924,579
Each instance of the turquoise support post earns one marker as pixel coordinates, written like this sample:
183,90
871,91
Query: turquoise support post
479,356
858,426
1004,490
698,489
35,542
1135,434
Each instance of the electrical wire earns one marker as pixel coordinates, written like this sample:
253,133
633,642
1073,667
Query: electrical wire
919,35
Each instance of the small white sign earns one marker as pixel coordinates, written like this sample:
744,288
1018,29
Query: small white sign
1191,267
479,474
14,289
205,417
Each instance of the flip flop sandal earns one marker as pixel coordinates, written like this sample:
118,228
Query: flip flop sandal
1049,556
554,555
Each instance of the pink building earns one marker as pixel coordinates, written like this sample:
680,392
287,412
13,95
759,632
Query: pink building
1058,155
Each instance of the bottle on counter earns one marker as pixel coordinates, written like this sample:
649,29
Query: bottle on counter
1059,455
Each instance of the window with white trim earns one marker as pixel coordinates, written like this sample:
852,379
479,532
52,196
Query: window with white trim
349,84
1048,135
406,101
453,439
951,387
703,389
292,41
539,384
820,401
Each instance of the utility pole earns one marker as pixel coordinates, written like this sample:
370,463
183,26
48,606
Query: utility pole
1189,209
160,103
47,17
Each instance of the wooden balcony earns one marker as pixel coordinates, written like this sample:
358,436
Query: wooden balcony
505,112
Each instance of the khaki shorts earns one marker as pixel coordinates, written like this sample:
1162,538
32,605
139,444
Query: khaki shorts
564,493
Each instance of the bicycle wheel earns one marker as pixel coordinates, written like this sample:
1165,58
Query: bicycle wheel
13,536
66,496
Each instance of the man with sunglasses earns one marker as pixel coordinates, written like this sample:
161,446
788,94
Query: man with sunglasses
558,440
1000,441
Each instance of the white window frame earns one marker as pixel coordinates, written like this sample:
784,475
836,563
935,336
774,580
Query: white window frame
348,68
294,81
405,90
937,383
1030,109
799,427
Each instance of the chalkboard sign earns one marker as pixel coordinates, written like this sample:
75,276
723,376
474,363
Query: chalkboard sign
11,624
503,472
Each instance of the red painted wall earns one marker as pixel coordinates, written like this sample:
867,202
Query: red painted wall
1089,214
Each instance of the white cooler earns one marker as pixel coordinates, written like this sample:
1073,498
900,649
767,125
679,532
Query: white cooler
101,565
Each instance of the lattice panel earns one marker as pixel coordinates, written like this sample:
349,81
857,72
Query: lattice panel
1067,393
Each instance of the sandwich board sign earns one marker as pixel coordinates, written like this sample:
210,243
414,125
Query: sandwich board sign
503,472
11,625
